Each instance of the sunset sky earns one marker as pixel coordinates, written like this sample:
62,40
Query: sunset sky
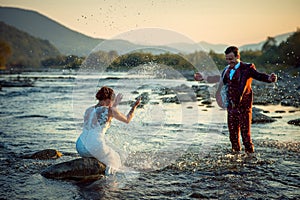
215,21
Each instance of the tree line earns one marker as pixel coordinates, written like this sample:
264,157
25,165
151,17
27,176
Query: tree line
271,57
285,55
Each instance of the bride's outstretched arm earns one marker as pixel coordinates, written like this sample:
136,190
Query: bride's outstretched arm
121,117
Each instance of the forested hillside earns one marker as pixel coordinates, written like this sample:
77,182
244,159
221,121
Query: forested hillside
67,41
21,50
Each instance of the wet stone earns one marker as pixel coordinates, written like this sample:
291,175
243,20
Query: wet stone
292,111
206,102
170,100
78,169
258,117
295,122
45,155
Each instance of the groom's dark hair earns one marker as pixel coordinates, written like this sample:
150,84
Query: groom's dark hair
232,49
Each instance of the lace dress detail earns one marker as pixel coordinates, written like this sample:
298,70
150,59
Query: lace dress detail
96,118
92,142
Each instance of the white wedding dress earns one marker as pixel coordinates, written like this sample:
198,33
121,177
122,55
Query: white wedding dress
92,142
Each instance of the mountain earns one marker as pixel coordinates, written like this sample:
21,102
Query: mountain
186,47
26,50
220,48
258,46
67,41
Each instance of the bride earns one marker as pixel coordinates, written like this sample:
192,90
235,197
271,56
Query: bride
97,119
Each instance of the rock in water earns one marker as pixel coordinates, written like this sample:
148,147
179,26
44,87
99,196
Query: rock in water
295,122
260,118
46,154
78,169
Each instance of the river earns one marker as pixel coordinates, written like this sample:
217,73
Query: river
174,151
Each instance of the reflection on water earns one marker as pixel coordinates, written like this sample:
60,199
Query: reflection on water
173,150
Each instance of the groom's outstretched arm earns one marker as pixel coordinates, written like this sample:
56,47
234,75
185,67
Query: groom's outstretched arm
209,79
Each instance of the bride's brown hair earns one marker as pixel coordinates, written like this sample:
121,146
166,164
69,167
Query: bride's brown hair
105,93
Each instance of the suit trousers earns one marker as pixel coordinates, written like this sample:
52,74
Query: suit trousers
239,121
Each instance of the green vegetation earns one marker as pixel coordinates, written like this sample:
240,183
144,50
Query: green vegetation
68,62
22,49
126,62
19,50
285,56
5,52
272,57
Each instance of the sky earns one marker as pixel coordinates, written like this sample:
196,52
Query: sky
215,21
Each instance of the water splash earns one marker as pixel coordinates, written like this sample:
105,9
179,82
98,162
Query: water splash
148,143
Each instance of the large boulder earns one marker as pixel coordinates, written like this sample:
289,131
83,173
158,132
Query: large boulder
78,169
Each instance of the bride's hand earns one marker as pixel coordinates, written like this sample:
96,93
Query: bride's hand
138,101
118,99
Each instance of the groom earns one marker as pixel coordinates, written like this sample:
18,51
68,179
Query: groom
237,77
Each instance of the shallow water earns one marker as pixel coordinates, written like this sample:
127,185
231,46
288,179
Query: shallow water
174,151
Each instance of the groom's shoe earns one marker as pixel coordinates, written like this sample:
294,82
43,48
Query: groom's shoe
249,149
235,148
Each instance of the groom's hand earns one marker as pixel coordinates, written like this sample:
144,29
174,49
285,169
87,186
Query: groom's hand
198,77
273,77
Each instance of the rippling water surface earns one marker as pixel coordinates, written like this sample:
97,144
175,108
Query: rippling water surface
173,151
